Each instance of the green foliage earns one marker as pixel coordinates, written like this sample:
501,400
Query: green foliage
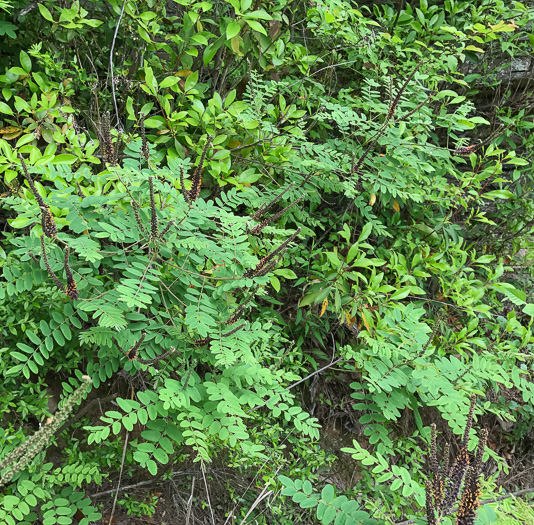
139,508
329,507
270,178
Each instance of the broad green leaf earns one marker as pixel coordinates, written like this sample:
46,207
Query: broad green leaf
256,26
45,13
232,30
191,81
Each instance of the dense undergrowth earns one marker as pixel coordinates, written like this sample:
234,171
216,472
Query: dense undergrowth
270,245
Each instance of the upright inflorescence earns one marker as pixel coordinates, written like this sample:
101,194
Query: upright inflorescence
47,222
456,477
266,263
469,423
153,215
430,509
471,494
264,207
257,229
396,100
240,310
446,460
437,485
145,152
107,143
196,180
72,288
433,450
131,354
473,148
47,219
19,458
58,283
440,502
117,149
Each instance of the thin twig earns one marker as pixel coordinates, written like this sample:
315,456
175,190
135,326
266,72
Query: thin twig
190,502
207,492
119,125
120,477
332,363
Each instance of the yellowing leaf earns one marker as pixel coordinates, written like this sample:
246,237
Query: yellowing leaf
396,206
366,322
14,135
232,143
9,129
184,73
474,48
324,307
235,42
372,199
350,320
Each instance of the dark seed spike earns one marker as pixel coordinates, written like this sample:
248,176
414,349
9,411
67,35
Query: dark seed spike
241,309
34,259
131,354
265,207
185,193
396,100
72,288
47,222
236,329
107,146
433,450
271,265
430,511
153,215
469,422
446,459
266,260
66,263
257,229
57,282
31,184
197,175
438,486
361,160
470,500
473,148
166,229
156,359
136,209
455,480
145,152
202,342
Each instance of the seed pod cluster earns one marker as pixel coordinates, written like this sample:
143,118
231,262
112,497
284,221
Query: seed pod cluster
47,219
265,262
196,180
107,143
440,502
153,215
258,229
72,287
